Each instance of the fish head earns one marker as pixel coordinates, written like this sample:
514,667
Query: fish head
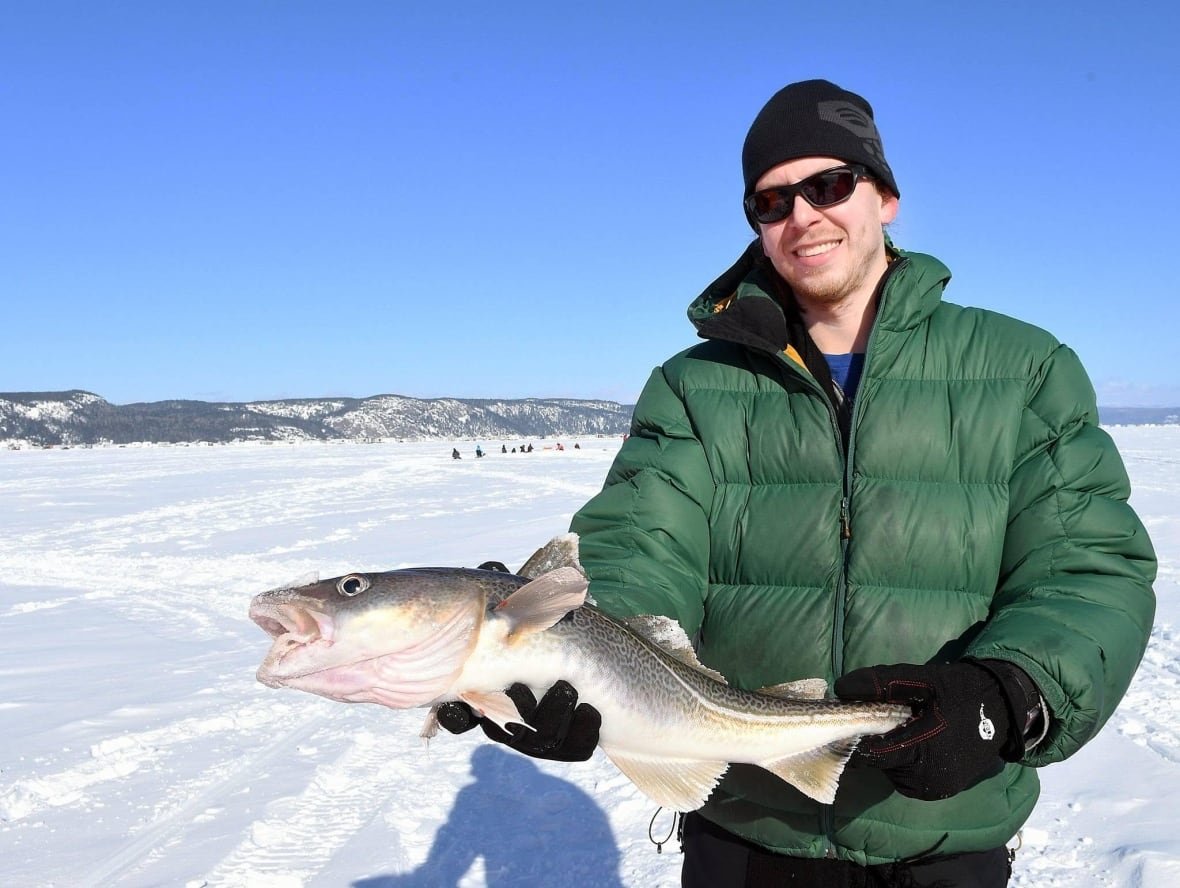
397,638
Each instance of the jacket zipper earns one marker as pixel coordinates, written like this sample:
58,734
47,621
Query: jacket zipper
827,812
827,816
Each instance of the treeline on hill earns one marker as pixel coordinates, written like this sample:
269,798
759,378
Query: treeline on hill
78,417
175,422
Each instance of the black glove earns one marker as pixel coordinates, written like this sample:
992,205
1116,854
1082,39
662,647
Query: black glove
963,729
564,730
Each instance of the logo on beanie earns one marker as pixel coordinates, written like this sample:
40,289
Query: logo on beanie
848,116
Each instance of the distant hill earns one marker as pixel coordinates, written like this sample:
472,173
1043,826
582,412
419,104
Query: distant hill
79,417
1139,415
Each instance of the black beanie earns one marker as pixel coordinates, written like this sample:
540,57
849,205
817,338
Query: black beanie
814,118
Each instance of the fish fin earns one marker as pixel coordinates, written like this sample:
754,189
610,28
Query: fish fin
540,603
815,773
430,726
669,636
804,689
496,706
561,551
676,784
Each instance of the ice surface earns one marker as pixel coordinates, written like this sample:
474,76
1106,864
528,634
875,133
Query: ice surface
137,749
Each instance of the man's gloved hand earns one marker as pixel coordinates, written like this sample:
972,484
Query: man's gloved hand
963,730
564,730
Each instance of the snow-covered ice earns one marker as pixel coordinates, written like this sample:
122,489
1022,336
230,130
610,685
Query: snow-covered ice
137,749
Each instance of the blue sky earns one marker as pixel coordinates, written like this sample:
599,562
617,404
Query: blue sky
252,200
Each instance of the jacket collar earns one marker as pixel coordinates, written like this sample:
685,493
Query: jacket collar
745,304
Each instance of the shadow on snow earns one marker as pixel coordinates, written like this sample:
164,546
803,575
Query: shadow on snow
530,828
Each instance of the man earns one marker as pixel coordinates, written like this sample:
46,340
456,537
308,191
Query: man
853,479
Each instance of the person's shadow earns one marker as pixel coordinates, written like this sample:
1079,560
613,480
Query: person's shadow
531,829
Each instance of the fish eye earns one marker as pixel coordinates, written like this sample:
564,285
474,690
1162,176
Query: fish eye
351,585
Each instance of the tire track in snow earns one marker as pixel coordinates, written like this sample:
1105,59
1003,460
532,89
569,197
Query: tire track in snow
171,826
124,754
301,833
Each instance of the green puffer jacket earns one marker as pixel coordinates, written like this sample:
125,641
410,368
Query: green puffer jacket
984,514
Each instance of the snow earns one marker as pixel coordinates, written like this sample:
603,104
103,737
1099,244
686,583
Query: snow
138,750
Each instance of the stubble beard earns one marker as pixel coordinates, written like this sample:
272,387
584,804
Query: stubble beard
832,287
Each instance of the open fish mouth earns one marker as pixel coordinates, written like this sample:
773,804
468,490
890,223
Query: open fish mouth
293,628
298,621
386,656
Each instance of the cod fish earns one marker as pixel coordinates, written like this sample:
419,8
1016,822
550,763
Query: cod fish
424,636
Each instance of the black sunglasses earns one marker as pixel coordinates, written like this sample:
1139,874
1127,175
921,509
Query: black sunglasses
822,190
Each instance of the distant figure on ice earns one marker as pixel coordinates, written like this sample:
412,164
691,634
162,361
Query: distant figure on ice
455,453
577,446
478,451
559,447
530,448
504,448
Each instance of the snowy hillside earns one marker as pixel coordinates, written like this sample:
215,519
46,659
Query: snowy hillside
82,418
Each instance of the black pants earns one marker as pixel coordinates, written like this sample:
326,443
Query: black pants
714,858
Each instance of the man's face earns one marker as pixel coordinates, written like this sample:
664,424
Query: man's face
828,255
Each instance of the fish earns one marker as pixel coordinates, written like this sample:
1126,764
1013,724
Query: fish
423,636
